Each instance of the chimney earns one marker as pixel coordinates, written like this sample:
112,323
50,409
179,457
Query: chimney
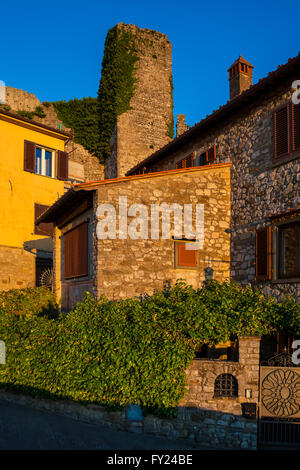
240,77
181,125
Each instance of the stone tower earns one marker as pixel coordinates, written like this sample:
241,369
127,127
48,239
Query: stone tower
135,95
240,77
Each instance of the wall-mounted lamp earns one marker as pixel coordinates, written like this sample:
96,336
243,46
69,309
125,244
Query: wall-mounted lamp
248,393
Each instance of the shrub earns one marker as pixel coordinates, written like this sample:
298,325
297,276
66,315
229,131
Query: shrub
32,301
129,351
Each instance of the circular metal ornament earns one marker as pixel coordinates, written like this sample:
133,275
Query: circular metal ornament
281,392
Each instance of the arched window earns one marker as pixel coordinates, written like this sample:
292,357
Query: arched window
226,385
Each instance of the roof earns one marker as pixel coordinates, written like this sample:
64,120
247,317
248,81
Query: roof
242,61
79,191
67,201
226,111
33,123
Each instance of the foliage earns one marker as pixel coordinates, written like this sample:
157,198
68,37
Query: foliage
117,84
31,301
133,350
5,107
82,115
170,125
38,111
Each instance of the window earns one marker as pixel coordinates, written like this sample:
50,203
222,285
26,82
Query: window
284,257
40,160
289,250
206,158
226,385
286,121
185,255
44,162
186,162
76,251
263,254
45,229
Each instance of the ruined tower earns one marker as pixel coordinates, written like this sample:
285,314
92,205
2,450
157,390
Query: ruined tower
135,97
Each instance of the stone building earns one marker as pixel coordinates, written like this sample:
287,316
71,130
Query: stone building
146,126
132,264
258,132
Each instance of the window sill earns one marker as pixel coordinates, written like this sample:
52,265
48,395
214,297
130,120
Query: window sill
187,268
76,278
286,159
291,280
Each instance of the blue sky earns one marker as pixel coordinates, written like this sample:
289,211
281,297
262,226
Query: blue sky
54,49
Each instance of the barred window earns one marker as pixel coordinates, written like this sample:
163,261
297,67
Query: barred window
226,385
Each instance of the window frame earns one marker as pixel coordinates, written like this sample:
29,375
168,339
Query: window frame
278,230
43,161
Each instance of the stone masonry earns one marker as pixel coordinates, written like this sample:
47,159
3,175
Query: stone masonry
17,267
127,268
144,128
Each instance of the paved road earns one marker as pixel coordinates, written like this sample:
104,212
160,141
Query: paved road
22,427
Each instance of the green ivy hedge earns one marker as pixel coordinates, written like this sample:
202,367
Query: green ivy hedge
117,84
82,115
134,350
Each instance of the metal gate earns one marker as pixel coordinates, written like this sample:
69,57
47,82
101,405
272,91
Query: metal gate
279,410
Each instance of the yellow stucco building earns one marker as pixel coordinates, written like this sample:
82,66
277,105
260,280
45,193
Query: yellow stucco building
33,174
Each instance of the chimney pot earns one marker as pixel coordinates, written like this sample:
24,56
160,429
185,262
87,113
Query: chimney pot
240,77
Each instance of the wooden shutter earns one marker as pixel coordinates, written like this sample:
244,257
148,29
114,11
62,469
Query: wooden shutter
211,154
186,257
29,156
281,132
295,125
45,229
264,254
76,251
62,165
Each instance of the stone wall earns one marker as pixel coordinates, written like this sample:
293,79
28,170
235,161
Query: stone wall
88,167
143,129
17,268
127,268
260,187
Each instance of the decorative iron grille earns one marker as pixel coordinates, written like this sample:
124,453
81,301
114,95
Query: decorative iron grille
282,359
226,385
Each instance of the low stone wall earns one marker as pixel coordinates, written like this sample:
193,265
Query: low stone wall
217,431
